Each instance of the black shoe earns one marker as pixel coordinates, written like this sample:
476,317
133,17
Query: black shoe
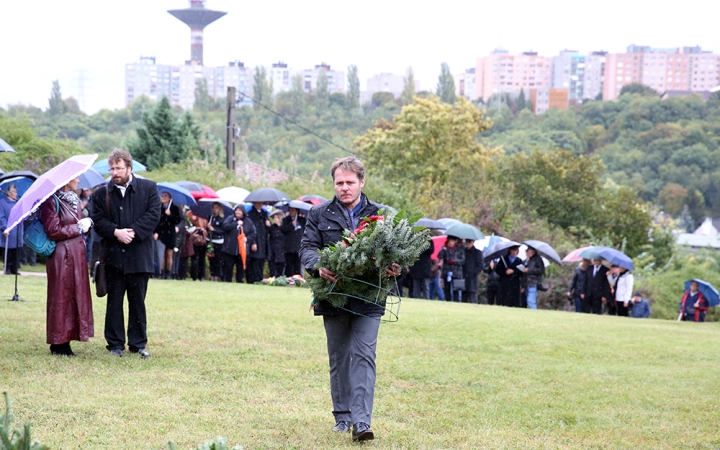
362,432
140,351
61,349
342,427
117,352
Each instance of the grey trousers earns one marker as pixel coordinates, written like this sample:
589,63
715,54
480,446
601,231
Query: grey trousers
351,342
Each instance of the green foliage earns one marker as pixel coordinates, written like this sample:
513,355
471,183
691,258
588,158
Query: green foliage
446,85
262,91
219,443
408,92
15,439
322,96
33,152
353,95
56,103
638,88
203,100
360,260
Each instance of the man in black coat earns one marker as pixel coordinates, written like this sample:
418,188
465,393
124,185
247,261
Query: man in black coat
258,250
420,272
293,227
472,267
596,288
351,332
126,230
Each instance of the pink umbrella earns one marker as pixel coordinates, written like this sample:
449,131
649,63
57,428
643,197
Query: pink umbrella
46,185
574,255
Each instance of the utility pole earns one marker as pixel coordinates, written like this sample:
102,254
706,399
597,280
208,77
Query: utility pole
230,130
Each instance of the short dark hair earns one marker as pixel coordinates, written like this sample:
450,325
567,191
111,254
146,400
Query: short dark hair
349,163
118,155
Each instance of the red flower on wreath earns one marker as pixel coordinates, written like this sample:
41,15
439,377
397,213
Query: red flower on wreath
366,223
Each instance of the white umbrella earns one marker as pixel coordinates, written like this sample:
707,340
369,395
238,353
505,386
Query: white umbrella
233,194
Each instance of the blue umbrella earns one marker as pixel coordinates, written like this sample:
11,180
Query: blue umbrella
448,222
616,257
5,147
22,184
90,179
492,240
179,194
711,294
430,223
102,167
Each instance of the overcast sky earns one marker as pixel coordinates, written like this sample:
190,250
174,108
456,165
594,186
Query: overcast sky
44,40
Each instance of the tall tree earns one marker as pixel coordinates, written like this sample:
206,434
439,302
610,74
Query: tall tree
322,95
203,100
353,95
446,85
262,92
520,103
57,105
409,88
297,96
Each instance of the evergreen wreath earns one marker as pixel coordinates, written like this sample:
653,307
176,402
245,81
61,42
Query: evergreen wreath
362,257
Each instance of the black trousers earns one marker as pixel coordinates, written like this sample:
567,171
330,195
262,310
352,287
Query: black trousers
491,292
197,265
276,268
135,284
621,309
592,305
292,264
418,288
183,268
255,270
215,269
229,262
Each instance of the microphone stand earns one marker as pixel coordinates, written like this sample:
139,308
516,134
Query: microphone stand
16,297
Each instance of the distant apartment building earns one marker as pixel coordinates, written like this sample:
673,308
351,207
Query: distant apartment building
501,72
388,82
581,75
178,83
594,75
336,79
465,84
281,76
662,69
544,99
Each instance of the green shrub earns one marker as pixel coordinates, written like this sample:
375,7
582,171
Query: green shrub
17,439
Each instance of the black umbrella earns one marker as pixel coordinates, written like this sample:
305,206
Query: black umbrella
544,249
500,249
267,195
297,204
19,173
204,207
430,223
190,185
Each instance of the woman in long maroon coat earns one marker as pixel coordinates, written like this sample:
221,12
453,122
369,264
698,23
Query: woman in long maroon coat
69,304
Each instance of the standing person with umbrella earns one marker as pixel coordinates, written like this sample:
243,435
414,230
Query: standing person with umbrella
509,270
198,236
217,239
452,256
12,242
69,303
259,250
472,267
293,227
596,289
166,232
624,284
575,290
693,305
126,212
239,235
533,273
276,245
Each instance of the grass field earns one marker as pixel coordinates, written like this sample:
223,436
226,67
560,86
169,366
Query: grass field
249,363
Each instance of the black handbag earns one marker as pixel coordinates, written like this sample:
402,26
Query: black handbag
458,284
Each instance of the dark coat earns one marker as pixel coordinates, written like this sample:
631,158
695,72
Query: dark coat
219,233
509,285
139,209
261,233
277,244
69,303
230,227
577,282
535,270
293,236
423,266
166,227
12,240
471,268
596,286
455,254
325,225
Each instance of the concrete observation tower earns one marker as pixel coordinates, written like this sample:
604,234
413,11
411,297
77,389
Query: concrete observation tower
197,17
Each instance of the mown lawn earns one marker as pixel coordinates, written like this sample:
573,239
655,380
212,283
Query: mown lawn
249,363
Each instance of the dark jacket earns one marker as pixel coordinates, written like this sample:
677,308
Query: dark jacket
166,227
471,268
219,233
261,233
422,267
139,209
509,285
596,286
231,230
577,282
69,303
277,244
293,236
457,256
535,270
13,240
325,225
689,311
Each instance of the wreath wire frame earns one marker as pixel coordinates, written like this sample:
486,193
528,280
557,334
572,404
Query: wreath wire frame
392,300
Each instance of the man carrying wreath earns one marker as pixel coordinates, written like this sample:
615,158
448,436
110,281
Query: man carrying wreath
351,331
